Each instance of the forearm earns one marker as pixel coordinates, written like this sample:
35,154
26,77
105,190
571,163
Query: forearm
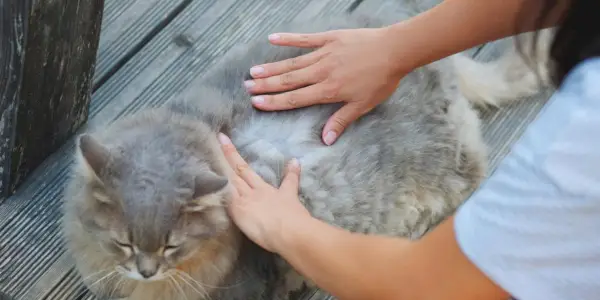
457,25
355,266
347,265
440,270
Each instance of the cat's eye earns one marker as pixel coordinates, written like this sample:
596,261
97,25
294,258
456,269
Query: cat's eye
121,244
170,249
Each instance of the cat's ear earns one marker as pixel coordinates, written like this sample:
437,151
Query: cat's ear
93,156
207,191
207,183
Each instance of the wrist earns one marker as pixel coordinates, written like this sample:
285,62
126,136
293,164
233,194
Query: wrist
449,28
294,232
401,60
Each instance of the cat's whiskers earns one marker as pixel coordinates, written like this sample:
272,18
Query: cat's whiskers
177,285
192,283
107,276
215,267
204,285
84,279
170,283
116,287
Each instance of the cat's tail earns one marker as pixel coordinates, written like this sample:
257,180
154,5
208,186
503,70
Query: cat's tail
512,77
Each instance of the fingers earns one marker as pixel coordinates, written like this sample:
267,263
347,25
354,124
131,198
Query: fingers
291,180
238,164
241,187
319,93
302,40
286,81
285,66
340,120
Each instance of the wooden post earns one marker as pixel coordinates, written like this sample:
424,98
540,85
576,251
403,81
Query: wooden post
47,58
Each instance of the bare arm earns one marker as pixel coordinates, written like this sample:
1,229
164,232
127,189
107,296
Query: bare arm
457,25
355,266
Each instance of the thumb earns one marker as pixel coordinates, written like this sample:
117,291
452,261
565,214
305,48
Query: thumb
301,40
291,180
339,121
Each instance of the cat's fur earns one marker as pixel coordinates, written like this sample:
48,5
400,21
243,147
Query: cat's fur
158,177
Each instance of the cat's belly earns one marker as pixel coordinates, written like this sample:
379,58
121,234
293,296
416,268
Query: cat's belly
364,182
269,142
330,184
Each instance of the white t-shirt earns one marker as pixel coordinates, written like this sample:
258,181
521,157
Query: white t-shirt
534,226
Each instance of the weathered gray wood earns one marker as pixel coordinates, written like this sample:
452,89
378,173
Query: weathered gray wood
4,296
13,21
127,26
53,48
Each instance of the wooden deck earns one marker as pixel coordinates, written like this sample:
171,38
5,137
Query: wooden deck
151,50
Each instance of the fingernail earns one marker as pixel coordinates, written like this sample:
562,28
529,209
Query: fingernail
330,138
249,83
256,70
274,37
223,139
258,100
294,163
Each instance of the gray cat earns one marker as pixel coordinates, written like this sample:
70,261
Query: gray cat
144,213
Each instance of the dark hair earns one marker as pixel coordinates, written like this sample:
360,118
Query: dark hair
577,36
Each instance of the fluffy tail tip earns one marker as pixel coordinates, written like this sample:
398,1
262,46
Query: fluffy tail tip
507,79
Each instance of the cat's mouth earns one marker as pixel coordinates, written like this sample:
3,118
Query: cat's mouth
138,276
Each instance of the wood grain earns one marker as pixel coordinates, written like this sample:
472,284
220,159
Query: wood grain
53,51
13,26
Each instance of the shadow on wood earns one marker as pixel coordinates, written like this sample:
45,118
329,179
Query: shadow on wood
47,58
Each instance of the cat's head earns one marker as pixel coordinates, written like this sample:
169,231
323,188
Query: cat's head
150,207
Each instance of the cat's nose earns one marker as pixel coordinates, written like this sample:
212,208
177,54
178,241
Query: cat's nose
147,273
146,265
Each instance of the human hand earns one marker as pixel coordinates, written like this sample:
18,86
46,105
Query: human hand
262,212
355,66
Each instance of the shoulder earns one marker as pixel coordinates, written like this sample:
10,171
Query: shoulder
584,77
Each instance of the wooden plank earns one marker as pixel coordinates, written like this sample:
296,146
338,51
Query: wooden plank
38,266
4,296
128,26
57,56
